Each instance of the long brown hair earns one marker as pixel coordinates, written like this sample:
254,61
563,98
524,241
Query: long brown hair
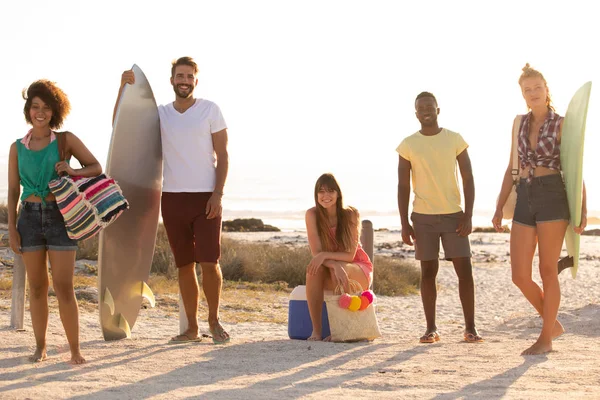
346,226
529,72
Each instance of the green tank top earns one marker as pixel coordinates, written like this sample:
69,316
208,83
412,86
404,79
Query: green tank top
36,169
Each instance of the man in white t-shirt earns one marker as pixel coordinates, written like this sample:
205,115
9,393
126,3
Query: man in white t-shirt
195,164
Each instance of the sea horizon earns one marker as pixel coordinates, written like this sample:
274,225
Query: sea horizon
287,213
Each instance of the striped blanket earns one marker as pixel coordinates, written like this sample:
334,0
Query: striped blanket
88,205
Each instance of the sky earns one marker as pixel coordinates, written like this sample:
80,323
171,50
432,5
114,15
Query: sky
308,87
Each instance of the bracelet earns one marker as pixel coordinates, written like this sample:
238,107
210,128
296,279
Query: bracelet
219,193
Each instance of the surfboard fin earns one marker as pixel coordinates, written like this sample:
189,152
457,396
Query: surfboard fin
109,301
114,327
124,326
148,295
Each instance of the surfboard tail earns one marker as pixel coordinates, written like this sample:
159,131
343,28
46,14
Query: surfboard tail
114,327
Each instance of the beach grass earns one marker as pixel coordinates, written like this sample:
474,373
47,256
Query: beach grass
256,265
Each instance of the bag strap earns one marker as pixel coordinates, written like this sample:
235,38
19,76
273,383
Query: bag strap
515,147
62,145
353,286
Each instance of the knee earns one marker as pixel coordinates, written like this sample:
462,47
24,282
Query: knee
38,291
210,267
318,275
64,291
429,270
549,272
521,280
464,272
186,270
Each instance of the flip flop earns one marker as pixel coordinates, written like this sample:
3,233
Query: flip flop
430,337
184,338
472,338
217,333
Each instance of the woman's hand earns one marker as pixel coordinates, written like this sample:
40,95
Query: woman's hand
14,239
315,263
579,230
497,221
63,167
341,276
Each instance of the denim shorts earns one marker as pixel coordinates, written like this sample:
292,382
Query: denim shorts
542,200
42,227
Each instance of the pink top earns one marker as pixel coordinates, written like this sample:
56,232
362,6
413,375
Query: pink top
27,138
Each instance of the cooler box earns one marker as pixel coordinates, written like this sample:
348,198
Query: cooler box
299,323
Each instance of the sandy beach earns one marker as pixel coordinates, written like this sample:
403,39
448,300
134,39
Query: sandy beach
261,362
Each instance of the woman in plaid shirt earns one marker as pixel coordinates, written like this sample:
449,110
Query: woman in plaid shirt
542,212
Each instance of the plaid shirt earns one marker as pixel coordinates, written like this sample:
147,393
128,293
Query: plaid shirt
547,152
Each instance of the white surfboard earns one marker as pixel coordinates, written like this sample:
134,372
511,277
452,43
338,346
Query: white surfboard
127,246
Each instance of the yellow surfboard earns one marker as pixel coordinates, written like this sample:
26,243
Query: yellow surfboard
571,159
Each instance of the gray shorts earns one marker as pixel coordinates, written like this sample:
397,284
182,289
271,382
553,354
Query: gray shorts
429,229
42,227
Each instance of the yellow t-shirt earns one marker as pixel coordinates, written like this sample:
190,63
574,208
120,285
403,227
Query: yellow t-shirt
434,172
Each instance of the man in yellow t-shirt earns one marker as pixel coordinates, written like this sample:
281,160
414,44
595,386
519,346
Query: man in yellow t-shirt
431,155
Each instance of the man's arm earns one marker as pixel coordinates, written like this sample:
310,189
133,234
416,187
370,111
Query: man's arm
127,77
466,173
404,167
214,207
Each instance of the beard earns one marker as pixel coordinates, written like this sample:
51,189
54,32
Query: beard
182,93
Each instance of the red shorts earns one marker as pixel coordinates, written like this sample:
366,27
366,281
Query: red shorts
192,237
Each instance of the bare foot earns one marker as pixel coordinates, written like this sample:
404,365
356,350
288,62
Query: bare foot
557,330
314,337
538,348
77,358
327,339
39,355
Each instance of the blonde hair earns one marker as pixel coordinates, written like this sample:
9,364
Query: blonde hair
529,72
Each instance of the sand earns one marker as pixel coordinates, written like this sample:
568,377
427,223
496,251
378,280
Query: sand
261,362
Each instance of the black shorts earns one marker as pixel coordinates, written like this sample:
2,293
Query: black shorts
544,199
42,227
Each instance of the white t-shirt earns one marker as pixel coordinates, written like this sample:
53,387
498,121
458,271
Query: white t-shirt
189,162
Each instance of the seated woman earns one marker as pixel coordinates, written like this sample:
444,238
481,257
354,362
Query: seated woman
333,237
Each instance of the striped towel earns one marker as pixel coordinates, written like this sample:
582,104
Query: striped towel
88,205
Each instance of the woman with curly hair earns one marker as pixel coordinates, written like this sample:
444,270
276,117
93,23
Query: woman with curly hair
542,212
333,237
39,232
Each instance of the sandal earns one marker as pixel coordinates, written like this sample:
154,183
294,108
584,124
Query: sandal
430,337
184,338
219,335
472,338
